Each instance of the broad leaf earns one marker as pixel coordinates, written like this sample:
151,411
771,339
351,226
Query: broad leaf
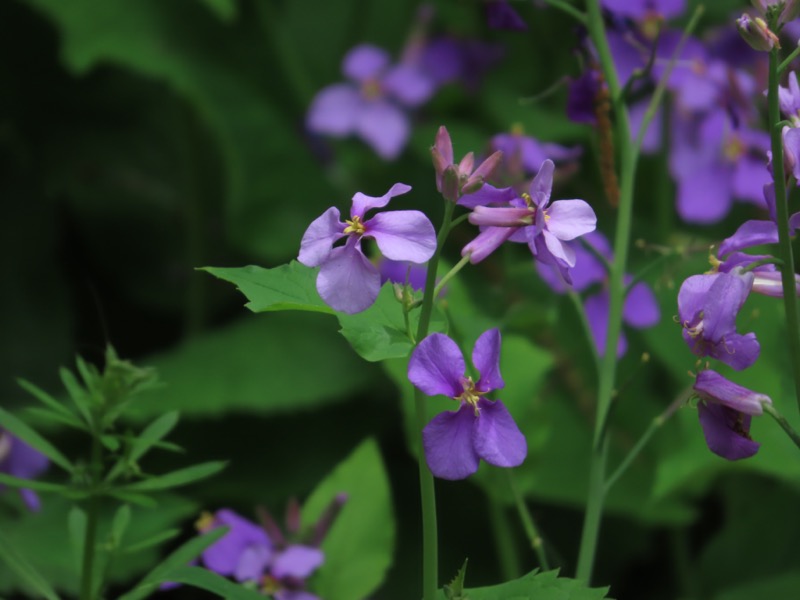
534,586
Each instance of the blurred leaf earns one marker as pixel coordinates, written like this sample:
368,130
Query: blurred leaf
29,576
785,585
64,414
359,547
177,478
144,441
259,365
535,586
31,484
155,540
210,581
19,429
224,9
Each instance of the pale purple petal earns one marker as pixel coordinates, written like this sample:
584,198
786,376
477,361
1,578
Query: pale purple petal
437,366
641,307
597,307
252,563
722,303
335,110
486,242
348,282
223,555
31,499
749,178
705,196
295,595
448,444
384,127
691,296
364,62
403,235
297,561
486,358
409,85
23,461
363,203
714,387
318,240
750,233
500,216
558,249
488,194
570,219
719,425
542,184
497,438
736,350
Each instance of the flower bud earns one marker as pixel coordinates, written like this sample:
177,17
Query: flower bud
756,33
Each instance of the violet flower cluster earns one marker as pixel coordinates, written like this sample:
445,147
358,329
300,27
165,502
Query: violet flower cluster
18,459
480,428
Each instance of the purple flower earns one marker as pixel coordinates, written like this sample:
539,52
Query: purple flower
455,442
725,411
371,105
18,459
582,97
347,280
524,155
534,220
789,99
645,9
707,307
243,553
500,15
640,309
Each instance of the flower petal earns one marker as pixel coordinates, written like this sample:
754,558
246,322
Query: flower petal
641,307
383,126
318,240
409,85
403,235
348,282
486,358
448,444
691,296
488,194
570,219
486,242
297,561
542,184
714,387
705,195
363,203
559,250
597,307
223,555
252,562
335,110
736,350
498,440
718,423
750,233
437,366
364,62
722,303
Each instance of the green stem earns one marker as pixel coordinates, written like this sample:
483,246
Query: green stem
772,412
782,218
528,523
569,9
90,535
450,274
628,158
430,543
504,541
788,60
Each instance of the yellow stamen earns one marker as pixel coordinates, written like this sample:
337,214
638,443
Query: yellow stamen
205,522
355,226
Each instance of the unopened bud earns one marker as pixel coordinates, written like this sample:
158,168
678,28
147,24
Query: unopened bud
756,33
451,183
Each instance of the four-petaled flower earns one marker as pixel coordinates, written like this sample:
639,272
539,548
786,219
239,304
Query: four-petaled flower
707,307
545,226
725,411
21,460
455,442
347,280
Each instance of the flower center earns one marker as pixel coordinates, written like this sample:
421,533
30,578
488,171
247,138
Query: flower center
371,89
355,226
5,446
470,395
270,585
733,149
205,522
651,25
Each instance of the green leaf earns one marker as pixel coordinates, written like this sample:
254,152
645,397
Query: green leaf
119,525
177,559
155,540
30,437
149,437
134,498
455,589
177,478
32,484
210,581
288,287
24,570
57,407
76,392
44,416
535,586
224,9
358,549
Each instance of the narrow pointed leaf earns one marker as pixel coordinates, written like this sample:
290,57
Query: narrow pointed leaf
19,429
46,399
24,570
177,478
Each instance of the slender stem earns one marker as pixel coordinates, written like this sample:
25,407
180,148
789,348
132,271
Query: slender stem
504,540
782,218
788,60
772,412
569,9
93,509
450,274
628,159
528,523
430,543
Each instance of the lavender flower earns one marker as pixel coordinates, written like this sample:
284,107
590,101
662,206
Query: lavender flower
525,155
455,442
500,15
243,553
725,411
372,104
707,307
640,10
534,220
347,280
18,459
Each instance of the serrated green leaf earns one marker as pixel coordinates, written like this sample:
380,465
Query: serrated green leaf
24,570
177,478
19,429
455,589
288,287
358,548
535,586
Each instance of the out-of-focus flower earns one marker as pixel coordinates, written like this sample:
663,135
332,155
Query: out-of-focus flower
347,280
372,105
640,309
707,307
455,442
18,459
523,155
533,219
500,15
784,10
641,10
725,410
